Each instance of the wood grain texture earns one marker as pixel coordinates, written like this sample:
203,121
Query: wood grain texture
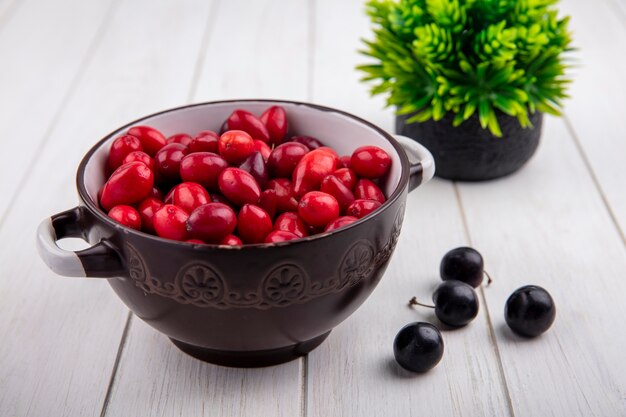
547,225
35,84
64,333
235,65
338,27
550,224
597,109
354,372
619,4
258,49
156,379
7,8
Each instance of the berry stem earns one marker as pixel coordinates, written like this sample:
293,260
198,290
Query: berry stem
413,302
489,280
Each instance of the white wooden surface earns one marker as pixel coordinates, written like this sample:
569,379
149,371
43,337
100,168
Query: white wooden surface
72,71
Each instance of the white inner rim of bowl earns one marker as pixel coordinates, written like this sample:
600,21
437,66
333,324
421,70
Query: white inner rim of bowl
338,131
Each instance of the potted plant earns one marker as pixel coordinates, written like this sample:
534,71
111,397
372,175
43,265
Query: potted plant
470,79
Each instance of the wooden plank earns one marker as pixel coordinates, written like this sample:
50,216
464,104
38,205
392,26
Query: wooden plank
156,379
597,109
547,225
41,59
62,334
237,63
258,50
339,26
7,7
354,372
620,4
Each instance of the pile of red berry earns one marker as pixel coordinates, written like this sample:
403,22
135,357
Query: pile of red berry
248,185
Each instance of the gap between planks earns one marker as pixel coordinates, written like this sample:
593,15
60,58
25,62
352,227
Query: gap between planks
312,23
210,23
594,179
118,356
99,35
7,11
492,333
619,7
206,36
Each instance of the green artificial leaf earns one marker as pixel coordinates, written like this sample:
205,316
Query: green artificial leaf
471,58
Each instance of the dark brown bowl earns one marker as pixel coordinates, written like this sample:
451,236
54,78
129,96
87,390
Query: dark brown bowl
254,305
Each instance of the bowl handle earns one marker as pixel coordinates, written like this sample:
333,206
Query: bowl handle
422,163
101,260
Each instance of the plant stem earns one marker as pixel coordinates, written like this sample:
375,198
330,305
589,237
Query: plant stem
489,280
413,302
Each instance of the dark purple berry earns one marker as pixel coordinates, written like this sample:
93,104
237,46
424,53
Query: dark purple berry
530,311
418,347
463,264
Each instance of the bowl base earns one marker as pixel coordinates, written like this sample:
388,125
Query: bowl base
251,359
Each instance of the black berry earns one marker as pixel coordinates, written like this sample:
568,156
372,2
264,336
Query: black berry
530,311
456,303
418,347
463,264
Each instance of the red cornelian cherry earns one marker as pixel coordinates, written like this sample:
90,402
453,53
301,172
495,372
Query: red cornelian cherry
284,158
156,193
205,141
127,216
231,240
170,222
367,190
219,198
140,156
291,222
129,184
260,146
253,224
318,209
120,148
268,202
370,162
333,186
203,168
255,166
189,195
280,236
311,170
196,241
248,122
146,210
151,139
361,208
212,222
224,127
285,201
239,186
168,196
347,177
228,188
167,160
340,222
181,138
308,141
338,163
275,120
235,146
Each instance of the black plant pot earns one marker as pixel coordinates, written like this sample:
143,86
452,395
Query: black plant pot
469,152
